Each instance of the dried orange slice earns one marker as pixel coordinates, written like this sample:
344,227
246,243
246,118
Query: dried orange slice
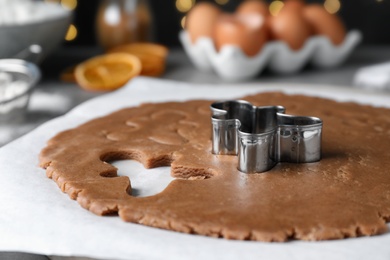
107,72
142,48
152,65
152,56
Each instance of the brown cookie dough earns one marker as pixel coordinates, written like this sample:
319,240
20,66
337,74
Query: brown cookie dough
346,194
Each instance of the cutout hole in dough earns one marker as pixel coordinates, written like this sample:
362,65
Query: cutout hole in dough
144,182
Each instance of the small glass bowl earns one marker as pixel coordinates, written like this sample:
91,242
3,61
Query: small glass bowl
17,81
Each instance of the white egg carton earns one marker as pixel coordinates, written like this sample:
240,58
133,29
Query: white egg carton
231,63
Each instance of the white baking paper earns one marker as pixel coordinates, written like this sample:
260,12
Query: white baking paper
37,217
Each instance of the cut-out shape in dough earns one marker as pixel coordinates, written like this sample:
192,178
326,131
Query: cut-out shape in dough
144,182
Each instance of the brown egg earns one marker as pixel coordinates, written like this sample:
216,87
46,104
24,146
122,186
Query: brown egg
290,26
245,31
201,19
324,23
297,5
253,6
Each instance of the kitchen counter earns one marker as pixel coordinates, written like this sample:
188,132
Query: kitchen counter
53,98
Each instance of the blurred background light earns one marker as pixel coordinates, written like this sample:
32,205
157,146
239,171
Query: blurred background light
332,6
184,5
183,22
69,4
275,7
71,34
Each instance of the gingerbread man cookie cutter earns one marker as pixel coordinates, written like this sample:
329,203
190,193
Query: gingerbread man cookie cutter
263,136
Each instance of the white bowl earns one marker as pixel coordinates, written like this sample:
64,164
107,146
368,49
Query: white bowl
231,63
48,31
17,80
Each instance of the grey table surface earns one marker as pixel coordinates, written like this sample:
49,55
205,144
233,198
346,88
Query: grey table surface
52,98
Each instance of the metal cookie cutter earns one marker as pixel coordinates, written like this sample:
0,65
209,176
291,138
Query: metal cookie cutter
263,136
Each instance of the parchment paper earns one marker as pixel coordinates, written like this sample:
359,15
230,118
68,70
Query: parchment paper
37,217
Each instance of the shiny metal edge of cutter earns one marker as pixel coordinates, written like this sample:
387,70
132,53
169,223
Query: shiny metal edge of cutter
263,136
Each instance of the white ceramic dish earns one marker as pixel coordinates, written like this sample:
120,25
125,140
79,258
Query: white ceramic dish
47,32
231,64
375,76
